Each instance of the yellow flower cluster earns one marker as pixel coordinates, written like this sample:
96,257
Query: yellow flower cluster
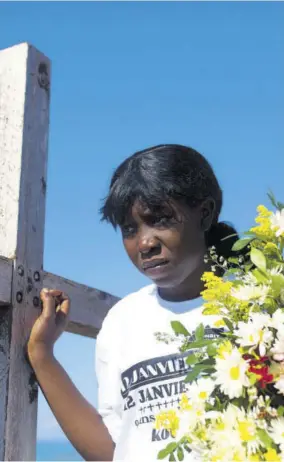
219,299
168,420
216,293
184,403
225,347
264,228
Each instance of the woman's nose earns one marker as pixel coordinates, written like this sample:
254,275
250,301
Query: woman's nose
148,244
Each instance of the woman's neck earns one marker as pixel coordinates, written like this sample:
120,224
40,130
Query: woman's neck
189,289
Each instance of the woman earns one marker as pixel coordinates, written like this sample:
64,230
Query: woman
166,201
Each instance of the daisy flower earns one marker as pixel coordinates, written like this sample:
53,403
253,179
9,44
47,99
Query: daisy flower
279,384
231,374
200,390
278,321
276,430
248,432
255,332
277,222
250,292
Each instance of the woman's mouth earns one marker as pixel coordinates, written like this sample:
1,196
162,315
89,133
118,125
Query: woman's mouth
155,267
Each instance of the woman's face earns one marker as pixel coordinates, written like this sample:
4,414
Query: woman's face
168,245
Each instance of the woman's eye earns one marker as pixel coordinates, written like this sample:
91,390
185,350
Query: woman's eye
128,230
162,221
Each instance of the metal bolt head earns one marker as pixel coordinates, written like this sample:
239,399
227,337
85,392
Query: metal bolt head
19,297
36,276
43,77
21,271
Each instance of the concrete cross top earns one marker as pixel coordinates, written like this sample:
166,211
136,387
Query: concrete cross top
24,123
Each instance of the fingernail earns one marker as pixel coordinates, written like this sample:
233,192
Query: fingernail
45,290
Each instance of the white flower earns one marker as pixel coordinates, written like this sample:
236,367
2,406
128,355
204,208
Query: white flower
247,427
231,374
276,271
249,278
277,221
200,390
279,385
251,292
255,332
278,348
276,430
277,321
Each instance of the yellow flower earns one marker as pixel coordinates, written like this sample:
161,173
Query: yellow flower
272,456
254,458
246,430
225,347
184,403
219,323
263,221
168,420
219,299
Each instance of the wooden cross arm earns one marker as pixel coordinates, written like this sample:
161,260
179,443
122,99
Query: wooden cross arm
88,306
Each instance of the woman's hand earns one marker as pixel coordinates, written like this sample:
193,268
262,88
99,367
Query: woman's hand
50,325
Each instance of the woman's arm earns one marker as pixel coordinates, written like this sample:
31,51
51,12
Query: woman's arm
81,423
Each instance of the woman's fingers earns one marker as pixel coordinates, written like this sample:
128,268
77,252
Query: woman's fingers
54,301
48,303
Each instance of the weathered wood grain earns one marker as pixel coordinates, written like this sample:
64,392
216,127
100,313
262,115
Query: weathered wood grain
6,267
88,306
24,122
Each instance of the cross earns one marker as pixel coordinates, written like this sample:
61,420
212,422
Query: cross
24,123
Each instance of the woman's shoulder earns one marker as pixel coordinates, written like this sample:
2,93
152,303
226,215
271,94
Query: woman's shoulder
126,312
132,302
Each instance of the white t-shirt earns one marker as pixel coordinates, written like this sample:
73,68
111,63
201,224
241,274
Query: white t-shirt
138,376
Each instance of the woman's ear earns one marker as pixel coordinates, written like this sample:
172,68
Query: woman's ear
207,210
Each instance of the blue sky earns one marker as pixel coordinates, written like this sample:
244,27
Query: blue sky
130,75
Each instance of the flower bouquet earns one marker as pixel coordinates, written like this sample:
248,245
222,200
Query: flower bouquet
233,409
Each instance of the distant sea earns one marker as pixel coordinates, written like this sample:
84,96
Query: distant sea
56,450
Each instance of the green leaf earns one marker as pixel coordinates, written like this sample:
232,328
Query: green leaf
207,362
199,332
234,260
167,450
264,437
277,284
172,458
241,243
162,454
199,344
229,324
258,258
212,349
260,277
187,448
180,453
192,375
272,198
192,359
179,328
280,411
274,202
253,379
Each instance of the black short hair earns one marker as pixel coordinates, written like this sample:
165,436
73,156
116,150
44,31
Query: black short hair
162,173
